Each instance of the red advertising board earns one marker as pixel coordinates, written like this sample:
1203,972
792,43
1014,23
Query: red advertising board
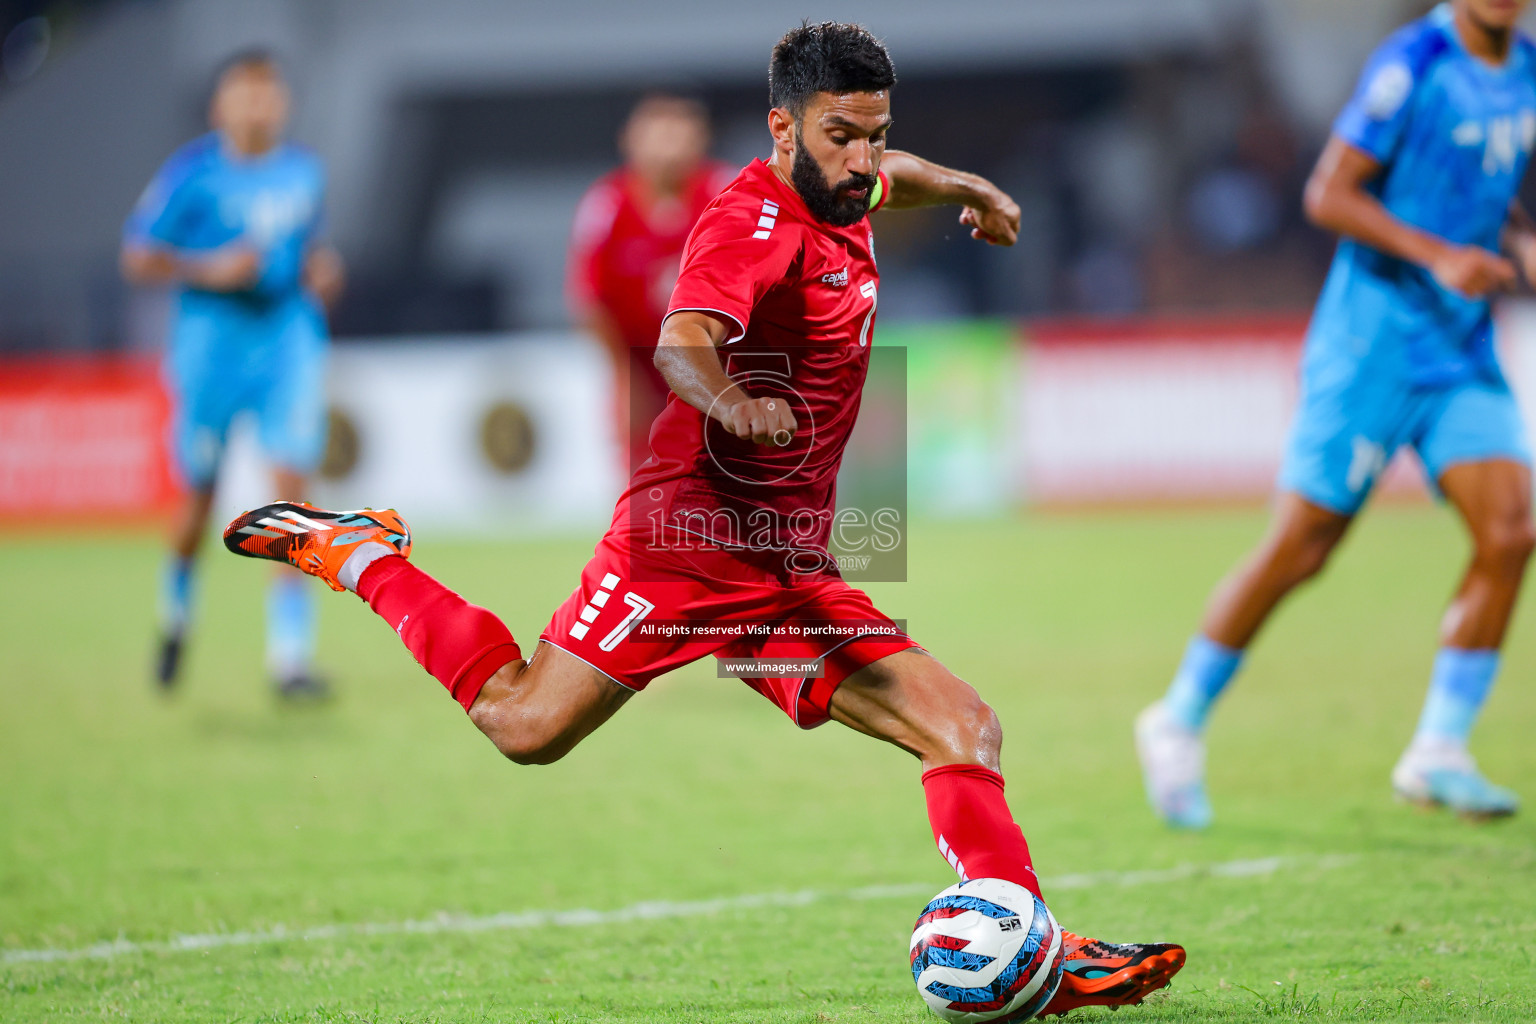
83,439
1153,409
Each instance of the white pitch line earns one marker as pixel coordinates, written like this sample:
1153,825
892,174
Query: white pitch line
655,910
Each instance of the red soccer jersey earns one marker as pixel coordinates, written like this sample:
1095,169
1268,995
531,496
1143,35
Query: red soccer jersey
624,255
800,297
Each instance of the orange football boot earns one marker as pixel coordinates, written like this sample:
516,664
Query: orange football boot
1112,974
316,541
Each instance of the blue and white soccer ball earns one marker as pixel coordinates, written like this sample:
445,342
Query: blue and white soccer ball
986,950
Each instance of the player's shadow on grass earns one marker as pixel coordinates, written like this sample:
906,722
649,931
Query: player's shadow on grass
301,724
1382,827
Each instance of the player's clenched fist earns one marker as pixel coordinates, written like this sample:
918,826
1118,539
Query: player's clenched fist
994,221
233,268
762,420
1472,271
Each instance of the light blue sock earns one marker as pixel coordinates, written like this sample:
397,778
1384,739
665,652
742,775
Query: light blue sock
176,594
1457,688
1205,671
290,625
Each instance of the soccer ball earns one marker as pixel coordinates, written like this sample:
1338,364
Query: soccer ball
986,950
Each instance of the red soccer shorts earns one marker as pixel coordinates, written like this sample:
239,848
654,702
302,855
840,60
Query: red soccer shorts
639,613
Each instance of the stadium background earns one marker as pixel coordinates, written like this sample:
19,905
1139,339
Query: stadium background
1136,350
1139,345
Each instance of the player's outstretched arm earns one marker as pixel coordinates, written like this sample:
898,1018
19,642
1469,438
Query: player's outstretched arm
1337,200
990,213
688,362
232,268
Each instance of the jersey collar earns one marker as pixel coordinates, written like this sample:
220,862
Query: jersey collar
793,198
1444,18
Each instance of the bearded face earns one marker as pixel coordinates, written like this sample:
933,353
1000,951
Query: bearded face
843,204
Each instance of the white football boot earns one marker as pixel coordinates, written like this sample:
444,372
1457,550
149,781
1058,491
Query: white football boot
1173,768
1443,773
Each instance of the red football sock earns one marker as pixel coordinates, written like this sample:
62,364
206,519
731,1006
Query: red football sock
971,823
461,644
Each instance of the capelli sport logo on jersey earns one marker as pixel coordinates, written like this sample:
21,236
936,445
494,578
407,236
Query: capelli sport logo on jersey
837,280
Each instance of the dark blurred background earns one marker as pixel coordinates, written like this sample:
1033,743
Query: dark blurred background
1157,147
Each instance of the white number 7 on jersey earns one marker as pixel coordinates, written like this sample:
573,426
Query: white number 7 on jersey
639,608
868,290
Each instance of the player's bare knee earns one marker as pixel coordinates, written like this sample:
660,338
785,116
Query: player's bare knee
1299,547
1508,542
986,734
1310,559
1301,557
969,734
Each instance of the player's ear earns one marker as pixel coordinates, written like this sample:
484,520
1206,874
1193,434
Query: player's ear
781,125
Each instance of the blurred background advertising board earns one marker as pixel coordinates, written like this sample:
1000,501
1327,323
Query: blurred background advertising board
83,438
1140,345
1163,409
1155,409
475,433
517,430
962,414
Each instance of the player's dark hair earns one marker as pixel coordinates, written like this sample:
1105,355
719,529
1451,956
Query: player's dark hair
249,57
671,101
827,57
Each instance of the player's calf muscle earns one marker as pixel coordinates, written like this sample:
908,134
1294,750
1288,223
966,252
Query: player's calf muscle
510,714
914,702
536,713
492,712
191,523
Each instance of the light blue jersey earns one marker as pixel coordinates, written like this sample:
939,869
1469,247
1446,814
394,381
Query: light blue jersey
1393,358
205,197
261,350
1453,136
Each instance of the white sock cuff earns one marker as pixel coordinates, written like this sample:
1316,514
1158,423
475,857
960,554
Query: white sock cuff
359,560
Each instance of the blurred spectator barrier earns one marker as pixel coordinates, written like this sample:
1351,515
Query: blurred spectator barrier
515,432
82,439
962,415
1154,410
473,432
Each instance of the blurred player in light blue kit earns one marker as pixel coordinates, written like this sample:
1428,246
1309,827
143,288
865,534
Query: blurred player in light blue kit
232,222
1420,179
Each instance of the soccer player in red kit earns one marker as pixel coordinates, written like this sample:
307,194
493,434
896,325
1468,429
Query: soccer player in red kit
727,523
627,245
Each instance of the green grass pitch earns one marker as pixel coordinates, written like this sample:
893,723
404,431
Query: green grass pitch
129,819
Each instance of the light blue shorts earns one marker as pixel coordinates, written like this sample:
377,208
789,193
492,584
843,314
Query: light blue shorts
271,364
1350,423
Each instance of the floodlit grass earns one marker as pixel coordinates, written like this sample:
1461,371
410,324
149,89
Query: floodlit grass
126,817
